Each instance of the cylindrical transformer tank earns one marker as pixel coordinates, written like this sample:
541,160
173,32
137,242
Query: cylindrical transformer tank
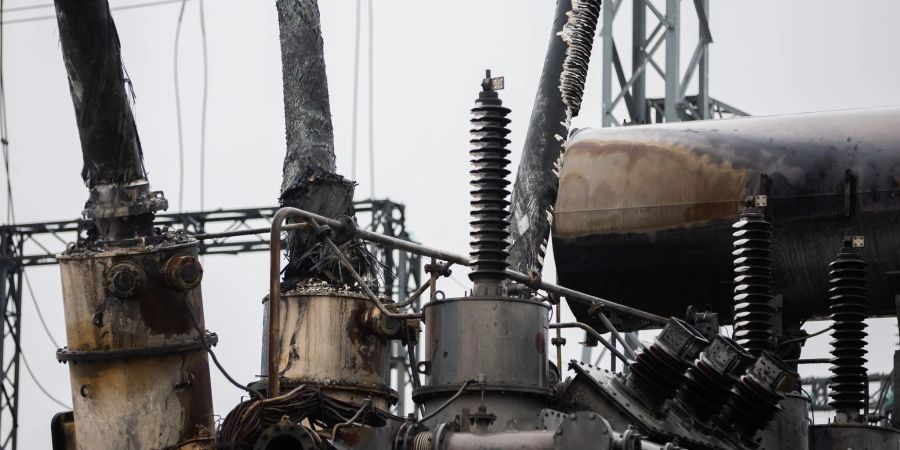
790,428
137,366
644,213
514,368
339,341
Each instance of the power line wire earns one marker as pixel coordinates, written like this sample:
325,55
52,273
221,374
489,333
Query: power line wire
11,218
355,90
178,111
26,7
38,383
117,8
203,109
38,309
371,101
4,135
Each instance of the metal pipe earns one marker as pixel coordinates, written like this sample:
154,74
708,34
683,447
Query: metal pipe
272,382
590,330
419,249
418,292
587,298
609,326
809,361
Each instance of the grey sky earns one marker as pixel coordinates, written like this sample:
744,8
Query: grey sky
769,57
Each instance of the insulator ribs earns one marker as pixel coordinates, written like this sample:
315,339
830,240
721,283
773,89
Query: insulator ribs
847,307
753,291
490,223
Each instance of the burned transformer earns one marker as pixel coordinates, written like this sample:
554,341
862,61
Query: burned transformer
681,224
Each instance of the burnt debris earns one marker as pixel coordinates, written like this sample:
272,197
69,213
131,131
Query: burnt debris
557,101
309,178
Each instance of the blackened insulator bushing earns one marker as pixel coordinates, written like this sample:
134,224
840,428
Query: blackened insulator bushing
847,308
710,380
490,204
659,370
754,399
753,283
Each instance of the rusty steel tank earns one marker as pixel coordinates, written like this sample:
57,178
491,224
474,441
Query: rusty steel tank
644,214
137,366
337,340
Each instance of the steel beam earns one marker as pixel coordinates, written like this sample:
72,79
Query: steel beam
10,327
673,55
674,104
638,60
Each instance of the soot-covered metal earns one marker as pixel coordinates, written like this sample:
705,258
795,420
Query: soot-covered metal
644,213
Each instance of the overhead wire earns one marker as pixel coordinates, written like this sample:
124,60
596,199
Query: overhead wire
178,110
4,134
38,309
115,8
201,334
354,128
38,383
11,219
371,100
203,108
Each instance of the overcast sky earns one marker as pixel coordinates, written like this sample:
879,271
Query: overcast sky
769,57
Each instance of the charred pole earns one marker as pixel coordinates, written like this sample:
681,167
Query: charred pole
120,202
557,101
310,181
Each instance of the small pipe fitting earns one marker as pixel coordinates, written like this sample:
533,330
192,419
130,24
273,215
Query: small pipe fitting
125,279
183,272
379,324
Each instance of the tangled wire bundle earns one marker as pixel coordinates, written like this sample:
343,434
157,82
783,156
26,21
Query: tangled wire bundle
245,423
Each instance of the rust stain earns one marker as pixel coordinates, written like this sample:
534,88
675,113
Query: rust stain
619,186
163,308
540,344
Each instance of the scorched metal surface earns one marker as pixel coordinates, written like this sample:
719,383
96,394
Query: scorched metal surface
644,213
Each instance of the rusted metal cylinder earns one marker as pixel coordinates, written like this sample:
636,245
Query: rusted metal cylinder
137,367
645,212
336,340
514,367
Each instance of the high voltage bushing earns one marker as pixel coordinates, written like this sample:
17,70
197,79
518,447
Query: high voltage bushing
579,35
847,297
659,369
754,399
712,377
753,292
490,224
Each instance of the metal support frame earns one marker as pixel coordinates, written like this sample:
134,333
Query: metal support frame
817,388
401,278
11,244
631,89
37,244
